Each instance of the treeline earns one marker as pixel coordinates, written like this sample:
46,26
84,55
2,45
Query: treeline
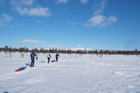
69,51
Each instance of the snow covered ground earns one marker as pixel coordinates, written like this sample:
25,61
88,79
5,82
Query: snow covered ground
73,73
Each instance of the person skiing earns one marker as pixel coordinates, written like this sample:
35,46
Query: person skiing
56,56
48,56
33,56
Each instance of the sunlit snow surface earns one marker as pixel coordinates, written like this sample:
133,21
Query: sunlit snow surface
74,73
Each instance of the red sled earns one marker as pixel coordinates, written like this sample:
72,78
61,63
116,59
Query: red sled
20,69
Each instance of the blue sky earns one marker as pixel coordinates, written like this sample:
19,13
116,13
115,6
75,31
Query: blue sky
62,24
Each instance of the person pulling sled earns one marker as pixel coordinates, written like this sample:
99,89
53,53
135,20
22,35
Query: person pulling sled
56,56
49,57
33,57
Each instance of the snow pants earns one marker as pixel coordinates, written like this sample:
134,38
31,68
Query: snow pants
32,62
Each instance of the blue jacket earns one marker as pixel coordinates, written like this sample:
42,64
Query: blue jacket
33,55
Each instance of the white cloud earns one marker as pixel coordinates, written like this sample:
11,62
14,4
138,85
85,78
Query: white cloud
84,1
62,1
111,20
27,7
34,11
5,19
30,41
21,3
95,21
100,21
100,7
27,2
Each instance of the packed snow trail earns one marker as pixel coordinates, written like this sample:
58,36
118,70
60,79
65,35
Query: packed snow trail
72,74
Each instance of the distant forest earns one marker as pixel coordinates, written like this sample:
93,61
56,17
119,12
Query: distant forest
69,51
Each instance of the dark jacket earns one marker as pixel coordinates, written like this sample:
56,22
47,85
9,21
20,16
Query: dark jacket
33,55
57,55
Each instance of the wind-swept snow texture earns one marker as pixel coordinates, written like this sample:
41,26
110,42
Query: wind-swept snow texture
74,73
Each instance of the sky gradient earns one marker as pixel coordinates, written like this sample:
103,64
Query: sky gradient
63,24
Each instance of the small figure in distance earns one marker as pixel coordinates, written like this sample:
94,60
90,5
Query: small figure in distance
33,56
56,56
48,57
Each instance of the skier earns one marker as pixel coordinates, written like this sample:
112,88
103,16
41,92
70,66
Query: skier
48,56
56,56
33,55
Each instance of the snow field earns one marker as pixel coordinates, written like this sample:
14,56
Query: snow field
74,73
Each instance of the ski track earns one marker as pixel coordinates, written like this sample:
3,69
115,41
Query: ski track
72,74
